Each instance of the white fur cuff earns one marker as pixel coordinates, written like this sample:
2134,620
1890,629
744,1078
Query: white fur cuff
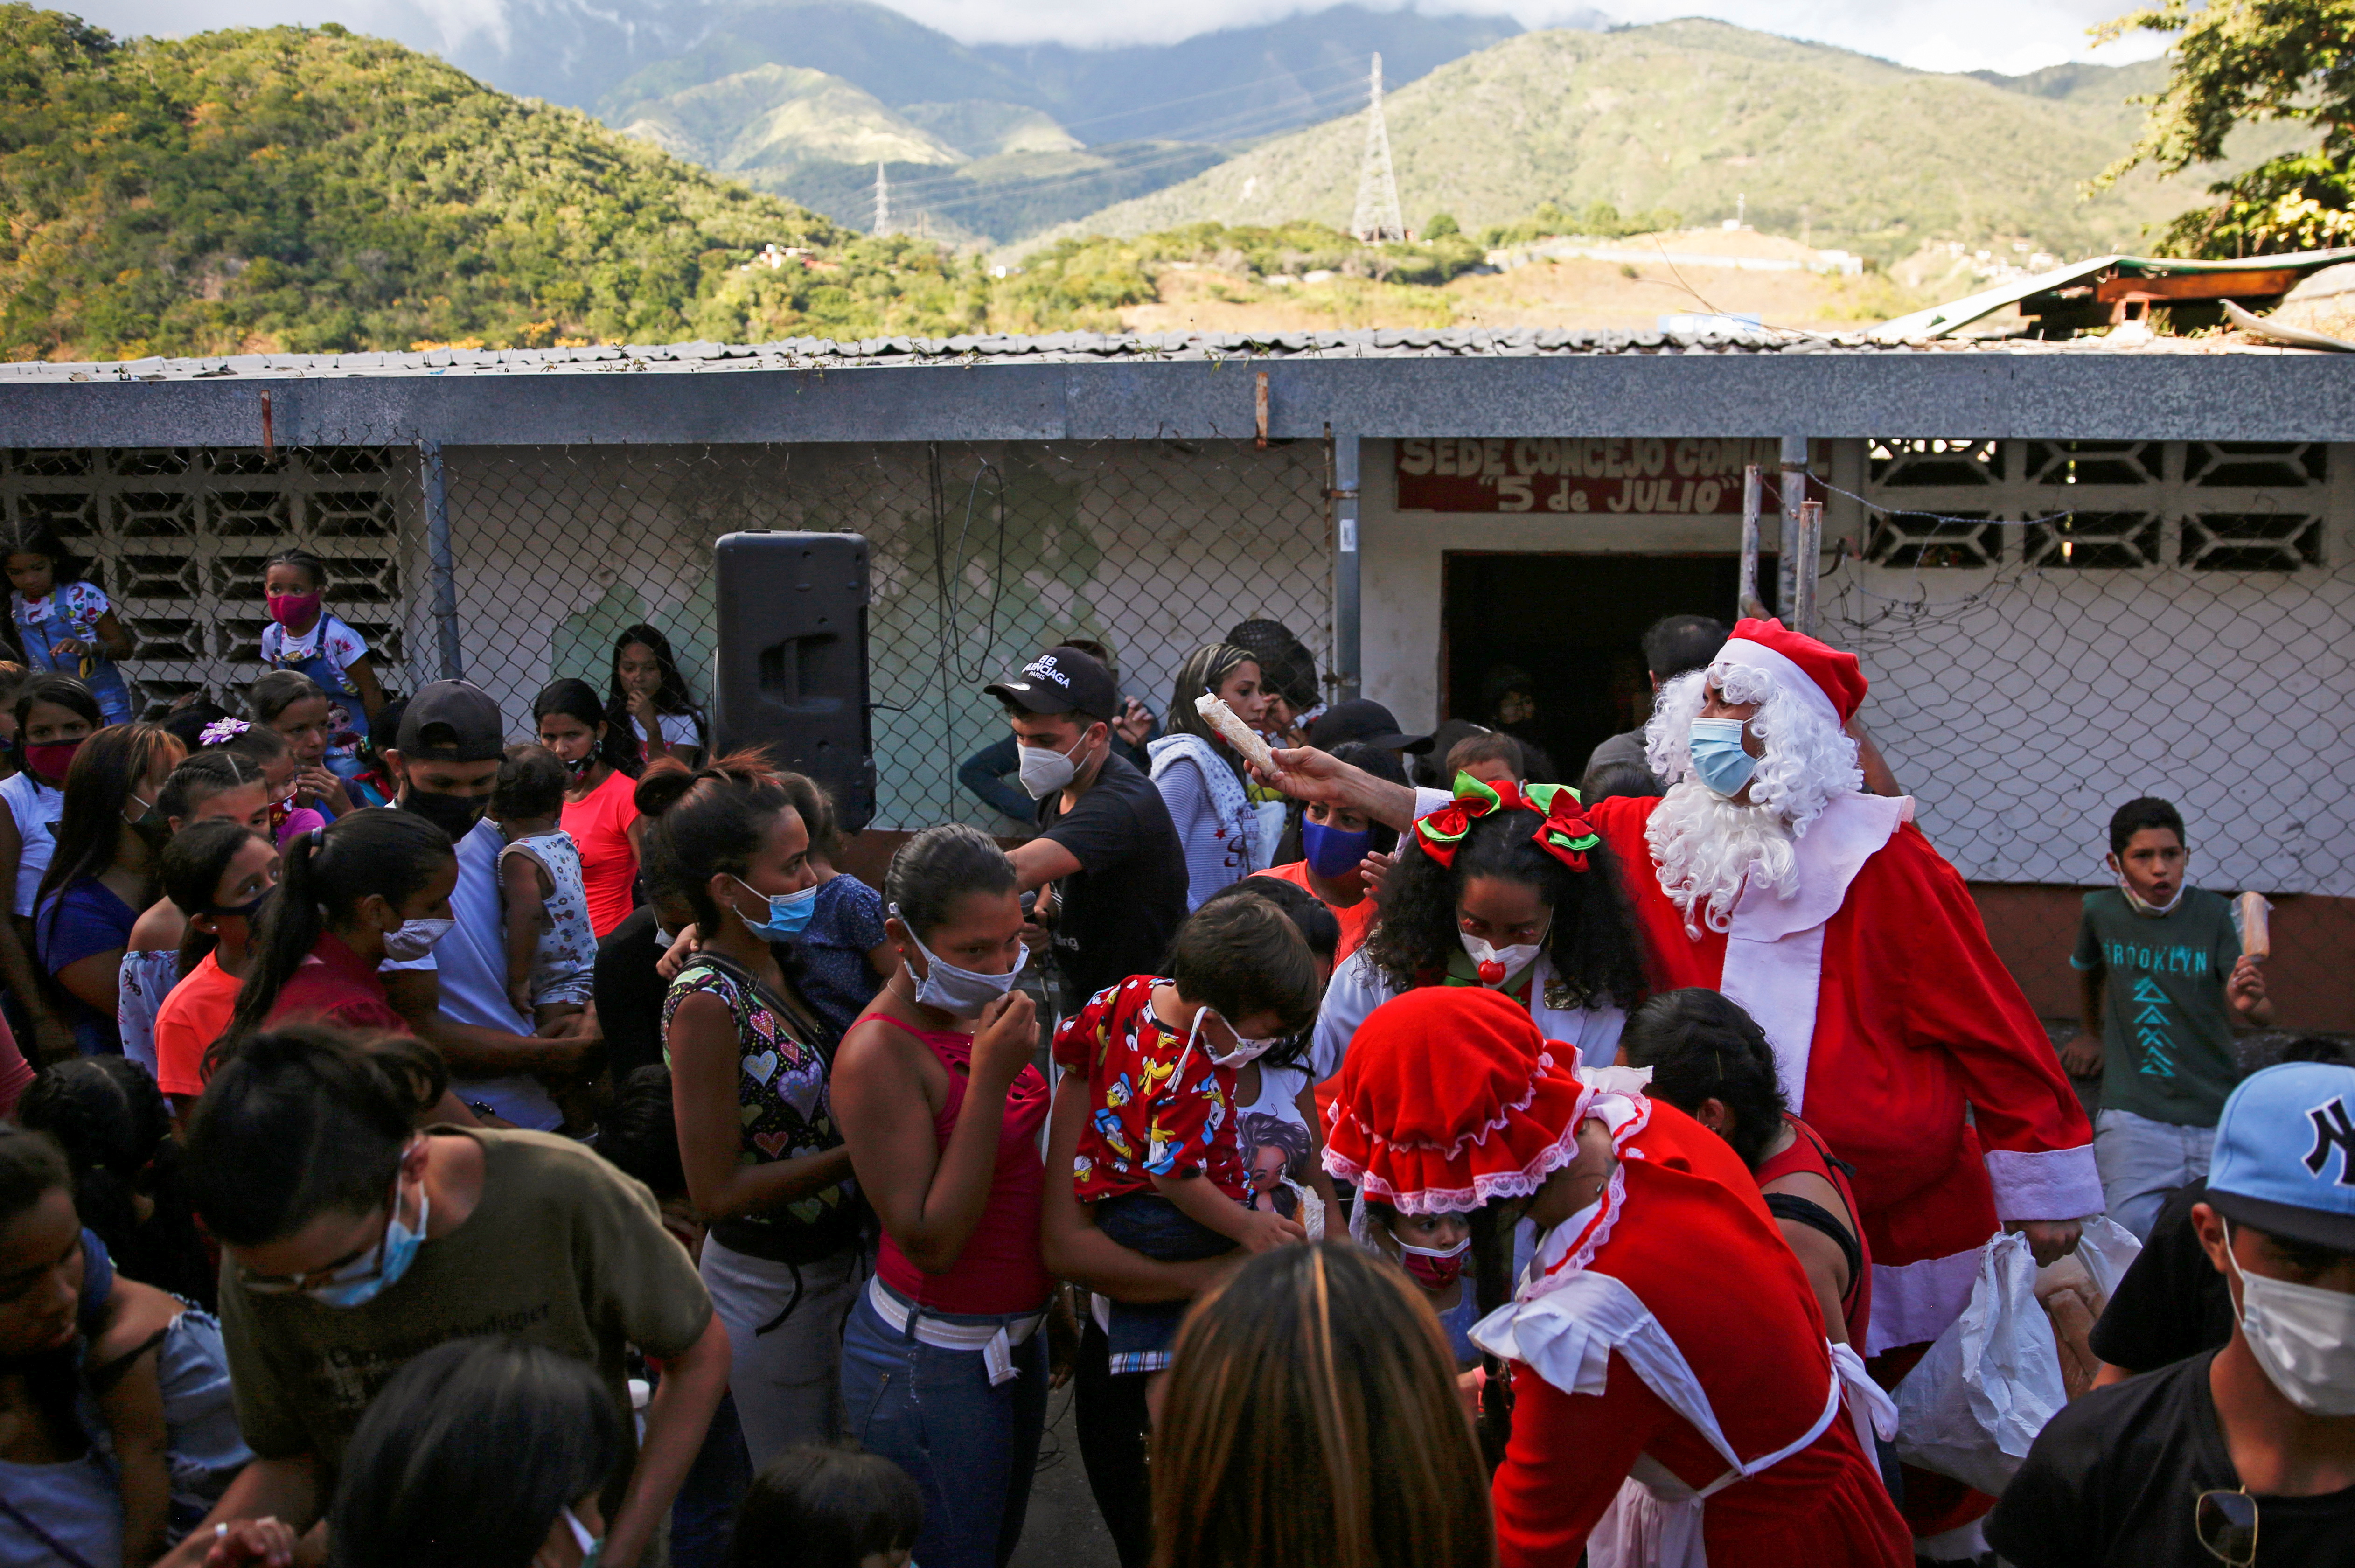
2050,1184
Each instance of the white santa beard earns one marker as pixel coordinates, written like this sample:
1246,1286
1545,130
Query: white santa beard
1707,847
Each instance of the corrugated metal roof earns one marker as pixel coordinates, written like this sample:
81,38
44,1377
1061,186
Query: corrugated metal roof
1062,347
1952,317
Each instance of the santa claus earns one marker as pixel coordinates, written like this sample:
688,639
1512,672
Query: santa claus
1768,874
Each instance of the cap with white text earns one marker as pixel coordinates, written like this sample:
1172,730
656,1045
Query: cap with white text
1061,681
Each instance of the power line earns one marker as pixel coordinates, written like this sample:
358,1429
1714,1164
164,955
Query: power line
950,190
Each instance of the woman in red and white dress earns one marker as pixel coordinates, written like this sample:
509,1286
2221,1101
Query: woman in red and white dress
1673,1399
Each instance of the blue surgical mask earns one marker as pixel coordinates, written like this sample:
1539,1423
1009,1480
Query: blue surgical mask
592,1547
788,912
1717,758
372,1273
1333,852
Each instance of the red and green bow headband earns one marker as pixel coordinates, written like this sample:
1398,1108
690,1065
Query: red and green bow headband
1565,833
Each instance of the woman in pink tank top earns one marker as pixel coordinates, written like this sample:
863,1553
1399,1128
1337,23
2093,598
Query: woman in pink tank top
944,1357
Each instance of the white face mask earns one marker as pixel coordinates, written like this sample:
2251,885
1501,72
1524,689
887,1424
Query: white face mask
1497,965
1244,1051
413,939
1044,770
2302,1336
2143,906
960,993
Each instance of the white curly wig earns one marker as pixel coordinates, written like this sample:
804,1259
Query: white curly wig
1707,847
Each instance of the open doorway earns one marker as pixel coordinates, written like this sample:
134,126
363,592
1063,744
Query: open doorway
1571,623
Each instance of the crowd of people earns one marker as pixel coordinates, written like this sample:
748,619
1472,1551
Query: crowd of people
434,1144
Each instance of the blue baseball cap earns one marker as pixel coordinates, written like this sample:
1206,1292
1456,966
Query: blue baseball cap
2284,1155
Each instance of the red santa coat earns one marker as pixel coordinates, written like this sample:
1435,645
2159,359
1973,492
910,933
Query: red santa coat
1695,1301
1914,1019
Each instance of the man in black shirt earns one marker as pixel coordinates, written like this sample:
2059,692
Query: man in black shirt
1105,840
2245,1455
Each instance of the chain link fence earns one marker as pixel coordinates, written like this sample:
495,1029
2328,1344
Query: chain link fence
981,556
2050,627
2053,628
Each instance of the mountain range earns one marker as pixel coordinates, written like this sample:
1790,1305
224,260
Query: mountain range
804,98
1257,126
1709,121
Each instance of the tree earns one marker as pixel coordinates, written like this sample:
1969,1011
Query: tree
2239,60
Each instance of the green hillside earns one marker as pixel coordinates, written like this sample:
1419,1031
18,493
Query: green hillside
1687,116
967,168
285,189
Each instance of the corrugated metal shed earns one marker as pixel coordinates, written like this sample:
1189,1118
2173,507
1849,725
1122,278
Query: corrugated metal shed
1940,319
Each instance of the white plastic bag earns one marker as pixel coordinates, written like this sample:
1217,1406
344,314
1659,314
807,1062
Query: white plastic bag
1975,1401
2106,1249
2077,1289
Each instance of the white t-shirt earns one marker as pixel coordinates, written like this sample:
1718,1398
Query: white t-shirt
36,807
471,962
329,638
1269,1128
1359,987
678,729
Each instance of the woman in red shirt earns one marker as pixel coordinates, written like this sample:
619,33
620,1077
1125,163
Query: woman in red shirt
1674,1399
374,884
944,1366
601,810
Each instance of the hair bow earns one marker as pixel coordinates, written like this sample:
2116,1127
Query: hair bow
1565,834
222,731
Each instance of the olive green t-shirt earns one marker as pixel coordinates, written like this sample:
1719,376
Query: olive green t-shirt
561,1250
2167,1029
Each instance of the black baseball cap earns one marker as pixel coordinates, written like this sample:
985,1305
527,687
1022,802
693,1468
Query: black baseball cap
1363,720
453,721
1063,679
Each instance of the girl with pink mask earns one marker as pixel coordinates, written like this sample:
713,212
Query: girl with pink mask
304,636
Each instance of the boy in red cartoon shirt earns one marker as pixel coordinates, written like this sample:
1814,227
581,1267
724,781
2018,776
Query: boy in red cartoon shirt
1158,1158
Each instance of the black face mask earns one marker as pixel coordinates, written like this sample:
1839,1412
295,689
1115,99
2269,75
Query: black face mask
245,911
453,814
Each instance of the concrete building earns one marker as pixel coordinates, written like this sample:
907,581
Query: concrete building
2076,573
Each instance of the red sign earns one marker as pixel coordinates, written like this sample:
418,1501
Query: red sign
1686,476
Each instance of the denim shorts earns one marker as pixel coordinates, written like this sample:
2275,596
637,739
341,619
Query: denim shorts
1142,1332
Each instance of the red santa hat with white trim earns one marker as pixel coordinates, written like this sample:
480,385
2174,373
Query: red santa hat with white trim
1800,665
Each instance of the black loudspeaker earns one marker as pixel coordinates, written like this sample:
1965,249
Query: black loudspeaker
792,673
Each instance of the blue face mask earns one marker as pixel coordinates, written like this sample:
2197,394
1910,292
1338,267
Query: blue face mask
1333,852
592,1547
1718,757
788,912
372,1273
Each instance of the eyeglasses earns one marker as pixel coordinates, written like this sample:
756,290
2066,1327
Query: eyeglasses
2226,1523
365,1263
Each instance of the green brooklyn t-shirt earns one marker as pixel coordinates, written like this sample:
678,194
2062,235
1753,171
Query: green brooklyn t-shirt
2167,1029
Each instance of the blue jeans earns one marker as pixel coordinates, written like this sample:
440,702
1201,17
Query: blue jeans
2142,1162
972,1449
703,1519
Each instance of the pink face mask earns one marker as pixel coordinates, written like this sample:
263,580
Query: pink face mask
291,610
1433,1268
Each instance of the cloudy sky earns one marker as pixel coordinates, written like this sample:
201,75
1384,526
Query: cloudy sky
1933,34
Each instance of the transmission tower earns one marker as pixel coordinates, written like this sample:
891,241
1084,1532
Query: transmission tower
882,200
1377,218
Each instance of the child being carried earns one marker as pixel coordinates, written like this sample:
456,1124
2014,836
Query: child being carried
551,952
1158,1158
